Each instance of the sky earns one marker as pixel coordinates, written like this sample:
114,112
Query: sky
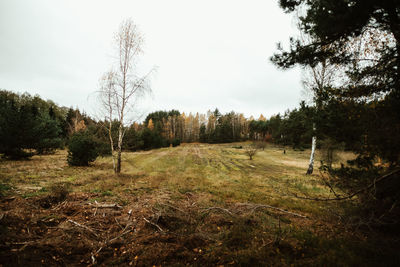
208,54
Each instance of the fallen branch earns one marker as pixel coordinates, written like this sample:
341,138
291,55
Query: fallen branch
172,207
120,226
329,185
82,226
339,198
257,206
119,236
109,241
25,244
106,206
154,224
62,204
218,208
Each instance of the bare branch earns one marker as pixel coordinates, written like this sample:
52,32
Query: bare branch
258,206
350,196
154,224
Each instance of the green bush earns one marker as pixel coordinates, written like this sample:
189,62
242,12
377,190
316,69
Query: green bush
176,142
82,149
16,154
103,148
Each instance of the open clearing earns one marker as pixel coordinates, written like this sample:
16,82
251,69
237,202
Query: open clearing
197,204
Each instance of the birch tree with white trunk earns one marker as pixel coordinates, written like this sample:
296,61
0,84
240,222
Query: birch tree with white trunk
122,87
315,80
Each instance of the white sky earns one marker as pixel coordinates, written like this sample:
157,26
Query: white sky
209,53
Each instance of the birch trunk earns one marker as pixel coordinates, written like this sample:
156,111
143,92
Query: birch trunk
112,145
313,146
120,138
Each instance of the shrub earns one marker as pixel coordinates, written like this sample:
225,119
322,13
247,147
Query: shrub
82,149
261,145
176,142
103,148
251,151
59,191
17,154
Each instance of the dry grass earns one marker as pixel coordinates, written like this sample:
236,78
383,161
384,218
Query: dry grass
223,173
175,188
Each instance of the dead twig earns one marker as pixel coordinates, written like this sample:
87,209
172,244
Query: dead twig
106,205
62,204
172,207
218,208
258,206
120,226
109,241
119,236
130,214
329,185
83,226
154,224
94,254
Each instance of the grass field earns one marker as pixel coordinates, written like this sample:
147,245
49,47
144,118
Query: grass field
197,204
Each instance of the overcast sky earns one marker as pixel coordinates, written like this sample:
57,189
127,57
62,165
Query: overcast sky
209,53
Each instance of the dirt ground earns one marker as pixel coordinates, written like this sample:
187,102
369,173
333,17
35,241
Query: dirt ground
72,230
50,231
76,231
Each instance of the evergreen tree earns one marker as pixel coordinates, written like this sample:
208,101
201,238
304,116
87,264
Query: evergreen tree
372,82
27,122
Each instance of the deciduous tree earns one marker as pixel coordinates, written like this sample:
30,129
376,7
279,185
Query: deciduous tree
125,87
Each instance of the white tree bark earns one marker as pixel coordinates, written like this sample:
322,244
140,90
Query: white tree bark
124,87
313,147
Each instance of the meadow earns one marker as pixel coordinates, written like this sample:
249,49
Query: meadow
196,204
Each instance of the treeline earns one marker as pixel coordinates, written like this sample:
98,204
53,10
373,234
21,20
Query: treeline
210,128
29,125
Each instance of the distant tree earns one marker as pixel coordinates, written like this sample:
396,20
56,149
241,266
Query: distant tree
203,134
251,151
261,145
48,134
150,125
133,140
295,127
27,122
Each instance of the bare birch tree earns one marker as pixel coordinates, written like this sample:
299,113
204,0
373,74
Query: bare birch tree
315,80
122,87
